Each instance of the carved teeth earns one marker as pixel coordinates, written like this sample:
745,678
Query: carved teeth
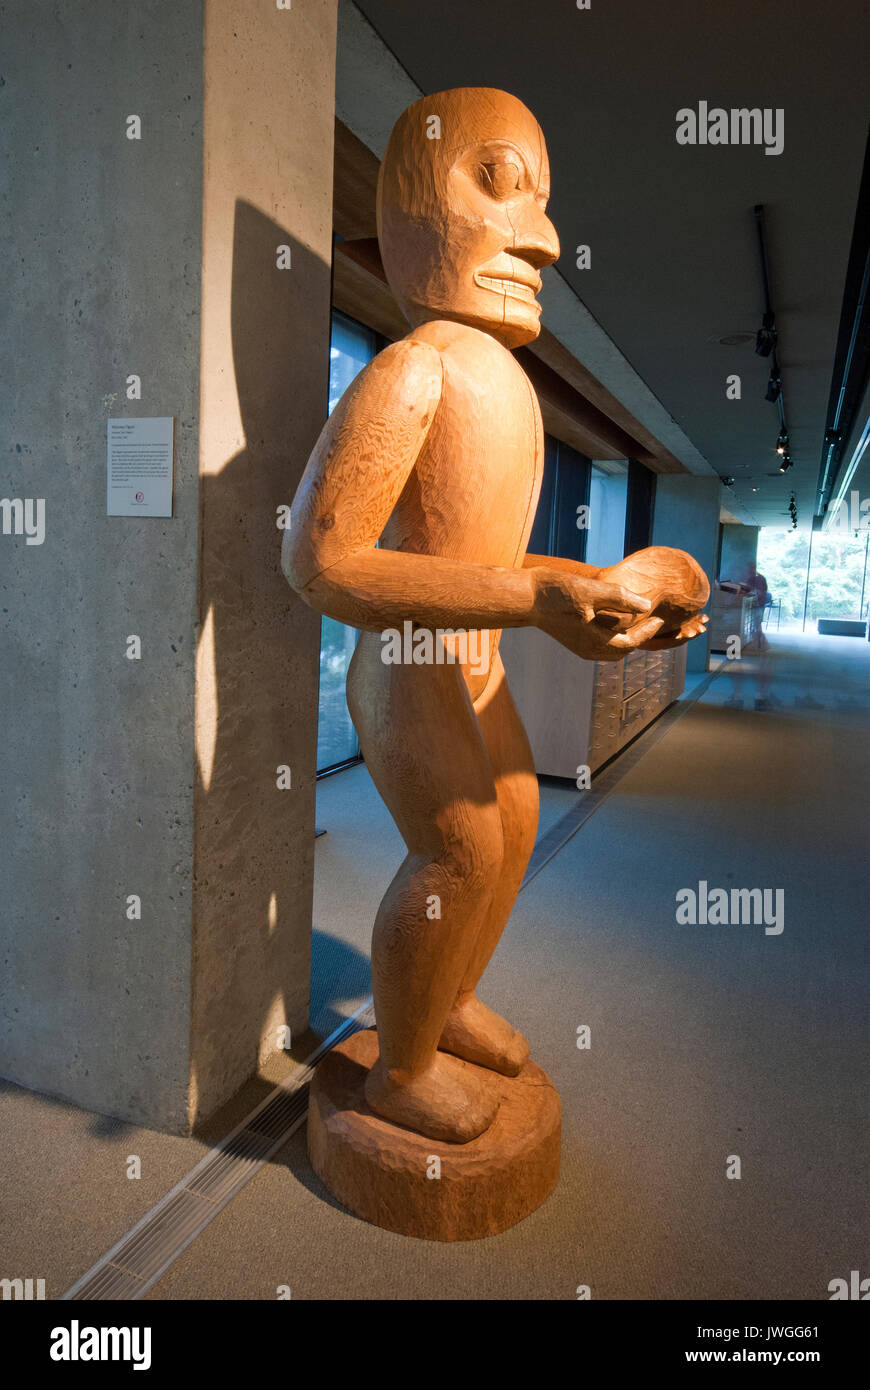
512,288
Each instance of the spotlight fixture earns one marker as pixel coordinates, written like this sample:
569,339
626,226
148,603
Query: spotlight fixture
766,346
728,482
765,338
774,387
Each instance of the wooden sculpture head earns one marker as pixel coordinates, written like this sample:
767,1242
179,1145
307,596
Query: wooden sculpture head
462,225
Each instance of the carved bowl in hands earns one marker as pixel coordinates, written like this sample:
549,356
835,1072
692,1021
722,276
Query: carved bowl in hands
674,583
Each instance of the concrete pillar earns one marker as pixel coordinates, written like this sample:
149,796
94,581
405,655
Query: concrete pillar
101,272
687,517
739,549
269,77
156,778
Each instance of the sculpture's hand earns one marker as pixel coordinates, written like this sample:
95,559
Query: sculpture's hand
677,587
593,619
692,627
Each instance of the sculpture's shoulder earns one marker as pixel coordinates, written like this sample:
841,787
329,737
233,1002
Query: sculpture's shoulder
450,338
402,373
404,381
470,353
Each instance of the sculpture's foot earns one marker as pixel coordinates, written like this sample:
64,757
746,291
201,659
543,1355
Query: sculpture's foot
478,1035
447,1101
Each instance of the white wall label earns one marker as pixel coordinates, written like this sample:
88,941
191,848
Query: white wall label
139,481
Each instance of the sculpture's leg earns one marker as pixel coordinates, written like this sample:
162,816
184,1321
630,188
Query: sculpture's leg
472,1030
427,756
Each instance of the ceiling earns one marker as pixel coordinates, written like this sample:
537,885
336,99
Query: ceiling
675,262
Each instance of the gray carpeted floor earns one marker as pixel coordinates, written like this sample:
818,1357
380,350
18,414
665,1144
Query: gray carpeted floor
707,1041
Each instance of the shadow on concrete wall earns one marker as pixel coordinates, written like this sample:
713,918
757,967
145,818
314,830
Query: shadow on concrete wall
257,680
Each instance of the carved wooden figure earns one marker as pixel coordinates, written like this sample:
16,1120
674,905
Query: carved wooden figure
437,450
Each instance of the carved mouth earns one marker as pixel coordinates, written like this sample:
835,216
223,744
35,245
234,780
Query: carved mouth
512,288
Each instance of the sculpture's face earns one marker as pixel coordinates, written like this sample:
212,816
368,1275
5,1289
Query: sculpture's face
461,217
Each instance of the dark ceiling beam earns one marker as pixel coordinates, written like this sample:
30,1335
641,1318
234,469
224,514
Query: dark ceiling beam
852,354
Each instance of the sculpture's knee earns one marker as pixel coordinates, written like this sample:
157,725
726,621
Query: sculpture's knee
473,857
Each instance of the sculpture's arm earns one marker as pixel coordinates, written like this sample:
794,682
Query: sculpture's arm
556,562
692,627
354,478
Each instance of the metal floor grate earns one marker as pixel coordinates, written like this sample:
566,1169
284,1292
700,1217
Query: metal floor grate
132,1266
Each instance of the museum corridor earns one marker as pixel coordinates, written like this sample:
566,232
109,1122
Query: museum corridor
414,414
706,1041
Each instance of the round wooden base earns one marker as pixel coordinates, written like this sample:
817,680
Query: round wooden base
386,1174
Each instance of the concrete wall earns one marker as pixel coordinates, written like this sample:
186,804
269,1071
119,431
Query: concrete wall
687,517
269,122
158,777
739,548
101,261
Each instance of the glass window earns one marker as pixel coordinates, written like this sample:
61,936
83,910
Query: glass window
639,507
605,541
352,346
564,490
572,500
831,582
541,538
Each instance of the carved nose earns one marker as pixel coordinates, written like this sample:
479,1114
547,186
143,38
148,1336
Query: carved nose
536,240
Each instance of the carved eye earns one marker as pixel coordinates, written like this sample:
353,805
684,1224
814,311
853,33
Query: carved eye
501,179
